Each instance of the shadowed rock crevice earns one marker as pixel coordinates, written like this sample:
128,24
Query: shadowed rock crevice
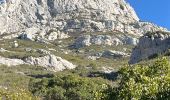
52,10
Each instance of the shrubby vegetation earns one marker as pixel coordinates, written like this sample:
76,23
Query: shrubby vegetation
145,82
71,87
138,82
20,94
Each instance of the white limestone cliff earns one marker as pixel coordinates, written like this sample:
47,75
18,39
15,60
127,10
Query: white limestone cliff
16,16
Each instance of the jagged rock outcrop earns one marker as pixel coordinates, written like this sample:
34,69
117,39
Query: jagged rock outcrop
110,40
51,62
16,16
35,34
151,45
111,54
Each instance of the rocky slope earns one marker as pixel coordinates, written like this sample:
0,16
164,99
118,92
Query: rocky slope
151,45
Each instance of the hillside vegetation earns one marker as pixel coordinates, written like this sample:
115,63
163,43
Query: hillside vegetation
138,82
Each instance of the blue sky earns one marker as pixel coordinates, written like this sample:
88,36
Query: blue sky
156,11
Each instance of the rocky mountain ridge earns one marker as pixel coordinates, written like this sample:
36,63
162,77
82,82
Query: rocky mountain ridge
71,16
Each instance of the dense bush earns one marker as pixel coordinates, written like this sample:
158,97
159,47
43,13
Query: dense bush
71,87
145,82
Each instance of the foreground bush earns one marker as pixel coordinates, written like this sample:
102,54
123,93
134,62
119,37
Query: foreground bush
145,82
71,87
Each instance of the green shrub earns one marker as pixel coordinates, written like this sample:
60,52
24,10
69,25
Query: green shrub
71,87
145,82
122,7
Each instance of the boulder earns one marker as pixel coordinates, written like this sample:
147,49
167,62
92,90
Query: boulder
57,35
114,54
131,41
25,36
51,62
11,62
82,41
29,34
15,44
